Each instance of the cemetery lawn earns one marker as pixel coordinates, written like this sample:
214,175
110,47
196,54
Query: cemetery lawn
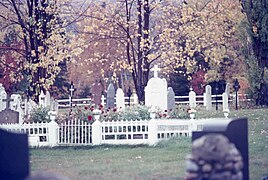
164,161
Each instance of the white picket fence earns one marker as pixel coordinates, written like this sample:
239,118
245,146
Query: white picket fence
77,133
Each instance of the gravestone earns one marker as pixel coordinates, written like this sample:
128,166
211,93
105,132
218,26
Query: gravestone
96,91
110,100
8,115
208,98
236,130
192,99
3,95
54,105
156,92
225,105
30,106
14,156
227,89
42,99
16,106
47,100
171,99
120,99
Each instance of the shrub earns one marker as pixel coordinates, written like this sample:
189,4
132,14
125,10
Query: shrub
80,113
178,113
39,114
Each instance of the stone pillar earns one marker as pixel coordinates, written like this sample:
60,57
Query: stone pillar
208,98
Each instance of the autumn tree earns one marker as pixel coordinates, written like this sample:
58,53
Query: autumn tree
129,36
41,31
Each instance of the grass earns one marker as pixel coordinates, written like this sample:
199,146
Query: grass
164,161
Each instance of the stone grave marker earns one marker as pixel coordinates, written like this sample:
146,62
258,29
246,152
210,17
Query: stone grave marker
120,99
3,95
156,92
8,115
42,99
47,99
208,98
170,99
16,106
192,99
236,130
228,88
110,100
96,91
14,155
30,106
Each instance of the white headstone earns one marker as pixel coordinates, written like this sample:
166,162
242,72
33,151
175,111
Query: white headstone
47,99
3,95
30,106
227,88
208,98
42,99
225,106
156,92
16,106
171,99
120,99
192,99
16,101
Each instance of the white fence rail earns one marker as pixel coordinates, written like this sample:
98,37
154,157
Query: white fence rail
124,132
65,103
77,133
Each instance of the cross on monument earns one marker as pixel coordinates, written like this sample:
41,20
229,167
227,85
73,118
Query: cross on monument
8,100
155,69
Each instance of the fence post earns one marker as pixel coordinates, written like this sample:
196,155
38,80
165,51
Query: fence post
152,128
96,128
53,132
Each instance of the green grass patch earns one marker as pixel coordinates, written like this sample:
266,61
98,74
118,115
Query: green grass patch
164,161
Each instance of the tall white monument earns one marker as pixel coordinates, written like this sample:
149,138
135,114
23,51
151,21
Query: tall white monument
156,91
